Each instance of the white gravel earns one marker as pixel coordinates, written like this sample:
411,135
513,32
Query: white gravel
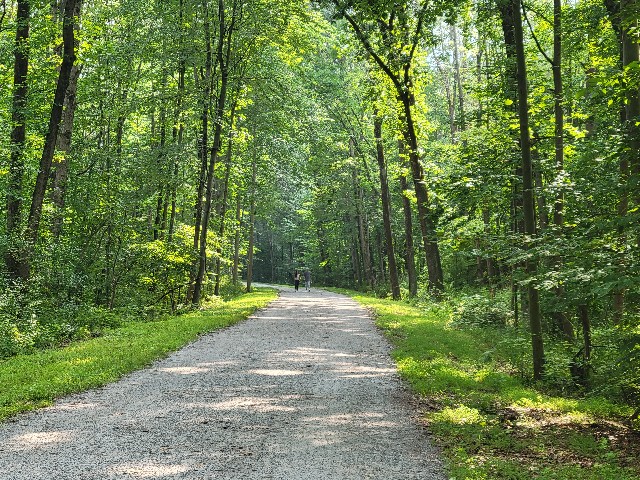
305,389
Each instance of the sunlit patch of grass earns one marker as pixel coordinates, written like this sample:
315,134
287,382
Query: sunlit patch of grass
489,423
33,381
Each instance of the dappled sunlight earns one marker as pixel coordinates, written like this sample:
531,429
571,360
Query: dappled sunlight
147,469
34,440
356,371
256,404
302,353
77,406
361,420
276,373
184,370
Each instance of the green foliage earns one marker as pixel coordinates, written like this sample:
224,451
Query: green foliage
490,424
482,311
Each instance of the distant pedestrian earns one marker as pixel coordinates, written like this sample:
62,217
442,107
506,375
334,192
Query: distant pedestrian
307,280
296,280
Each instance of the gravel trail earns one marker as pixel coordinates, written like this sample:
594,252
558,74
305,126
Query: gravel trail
304,389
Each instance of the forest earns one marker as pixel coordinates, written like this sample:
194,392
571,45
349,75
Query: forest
480,153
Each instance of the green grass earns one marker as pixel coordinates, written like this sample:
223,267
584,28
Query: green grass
35,380
491,425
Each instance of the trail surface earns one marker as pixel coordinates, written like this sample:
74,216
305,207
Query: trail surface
305,389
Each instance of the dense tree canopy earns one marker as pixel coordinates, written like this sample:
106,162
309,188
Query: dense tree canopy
156,153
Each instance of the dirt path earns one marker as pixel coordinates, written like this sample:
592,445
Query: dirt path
303,390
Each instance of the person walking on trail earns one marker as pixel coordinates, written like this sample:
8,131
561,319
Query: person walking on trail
296,280
307,280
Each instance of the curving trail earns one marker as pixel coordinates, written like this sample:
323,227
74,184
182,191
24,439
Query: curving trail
305,389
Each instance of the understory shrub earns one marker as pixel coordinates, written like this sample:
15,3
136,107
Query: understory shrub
481,311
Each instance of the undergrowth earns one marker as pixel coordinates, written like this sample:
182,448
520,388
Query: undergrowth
30,381
490,420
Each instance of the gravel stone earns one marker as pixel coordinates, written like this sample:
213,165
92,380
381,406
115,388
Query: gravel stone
304,389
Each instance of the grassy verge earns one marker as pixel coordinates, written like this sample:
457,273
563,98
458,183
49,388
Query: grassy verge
489,424
32,381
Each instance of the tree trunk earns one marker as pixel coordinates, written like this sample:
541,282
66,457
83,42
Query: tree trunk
409,254
61,174
204,136
403,84
491,270
363,234
427,227
223,62
223,204
236,241
630,57
252,221
37,199
586,334
15,255
178,130
462,121
561,318
528,193
386,208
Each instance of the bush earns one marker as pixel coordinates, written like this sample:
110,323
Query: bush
479,311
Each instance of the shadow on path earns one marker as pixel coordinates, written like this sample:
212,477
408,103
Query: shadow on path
305,389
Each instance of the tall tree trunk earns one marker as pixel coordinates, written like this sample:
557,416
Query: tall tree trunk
403,84
223,204
507,12
462,121
491,270
427,226
158,230
223,62
363,234
204,136
409,253
535,322
386,208
630,57
37,199
236,241
178,130
623,20
410,261
61,174
15,255
561,318
252,222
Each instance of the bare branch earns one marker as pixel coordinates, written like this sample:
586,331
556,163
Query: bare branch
526,17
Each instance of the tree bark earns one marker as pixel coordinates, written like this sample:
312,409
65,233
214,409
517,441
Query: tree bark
561,318
178,130
61,175
223,62
204,136
14,258
427,227
631,56
403,84
236,241
37,199
252,221
462,121
223,203
535,322
363,233
386,208
409,254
